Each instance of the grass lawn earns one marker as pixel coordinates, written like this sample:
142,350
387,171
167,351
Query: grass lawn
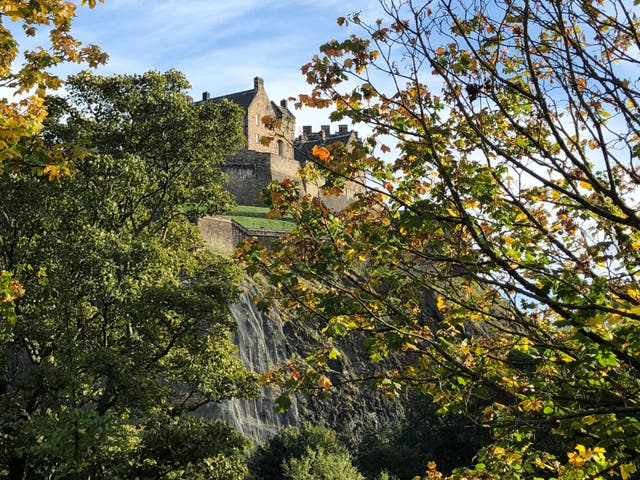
255,218
251,210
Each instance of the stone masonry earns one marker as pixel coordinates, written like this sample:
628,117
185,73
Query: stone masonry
261,162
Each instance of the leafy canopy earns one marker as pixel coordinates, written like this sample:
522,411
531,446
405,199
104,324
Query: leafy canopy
498,253
300,453
124,328
21,118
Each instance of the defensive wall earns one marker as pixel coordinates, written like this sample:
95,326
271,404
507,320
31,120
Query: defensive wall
250,171
224,234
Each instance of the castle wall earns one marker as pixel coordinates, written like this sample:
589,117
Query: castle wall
260,107
220,233
224,234
249,172
283,167
255,128
334,202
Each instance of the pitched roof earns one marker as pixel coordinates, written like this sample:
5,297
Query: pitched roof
281,110
243,98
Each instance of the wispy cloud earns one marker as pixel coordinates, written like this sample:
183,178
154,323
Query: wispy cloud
220,46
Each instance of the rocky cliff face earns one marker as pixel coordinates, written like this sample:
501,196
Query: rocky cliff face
266,341
262,345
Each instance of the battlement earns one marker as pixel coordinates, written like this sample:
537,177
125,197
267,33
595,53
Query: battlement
325,135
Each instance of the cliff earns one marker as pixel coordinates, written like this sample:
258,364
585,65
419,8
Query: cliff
266,341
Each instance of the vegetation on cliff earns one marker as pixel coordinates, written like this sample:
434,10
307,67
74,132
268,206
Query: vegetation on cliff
303,453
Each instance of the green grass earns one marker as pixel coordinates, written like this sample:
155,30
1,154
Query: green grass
255,218
254,223
251,209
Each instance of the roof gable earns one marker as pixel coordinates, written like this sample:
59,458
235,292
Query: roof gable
243,98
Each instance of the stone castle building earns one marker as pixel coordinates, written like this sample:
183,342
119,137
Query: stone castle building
259,163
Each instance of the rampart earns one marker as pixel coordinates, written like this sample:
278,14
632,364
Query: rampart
223,234
250,171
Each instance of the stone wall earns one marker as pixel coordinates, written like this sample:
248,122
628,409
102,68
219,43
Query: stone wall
256,129
249,172
260,106
337,203
224,234
284,167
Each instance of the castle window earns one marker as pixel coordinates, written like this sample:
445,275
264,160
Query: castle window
280,148
257,119
257,138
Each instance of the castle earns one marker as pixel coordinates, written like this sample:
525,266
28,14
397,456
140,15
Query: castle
258,163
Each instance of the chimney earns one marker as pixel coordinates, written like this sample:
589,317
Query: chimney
343,129
283,103
326,131
257,83
306,130
205,96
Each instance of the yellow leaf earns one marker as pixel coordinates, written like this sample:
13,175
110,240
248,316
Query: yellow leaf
626,470
53,172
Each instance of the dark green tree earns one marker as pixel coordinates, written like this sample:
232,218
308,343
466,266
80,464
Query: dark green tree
299,453
124,327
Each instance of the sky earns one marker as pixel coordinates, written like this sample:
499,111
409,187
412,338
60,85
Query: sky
220,45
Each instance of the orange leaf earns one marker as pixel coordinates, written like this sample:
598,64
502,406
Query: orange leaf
321,152
324,382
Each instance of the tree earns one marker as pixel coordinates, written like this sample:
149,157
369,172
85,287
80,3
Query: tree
316,464
401,445
21,120
299,453
498,251
124,328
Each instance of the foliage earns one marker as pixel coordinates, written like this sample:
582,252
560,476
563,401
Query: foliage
298,453
401,446
124,327
316,464
498,251
21,119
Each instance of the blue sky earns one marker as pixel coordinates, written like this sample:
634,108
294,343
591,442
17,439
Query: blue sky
220,45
